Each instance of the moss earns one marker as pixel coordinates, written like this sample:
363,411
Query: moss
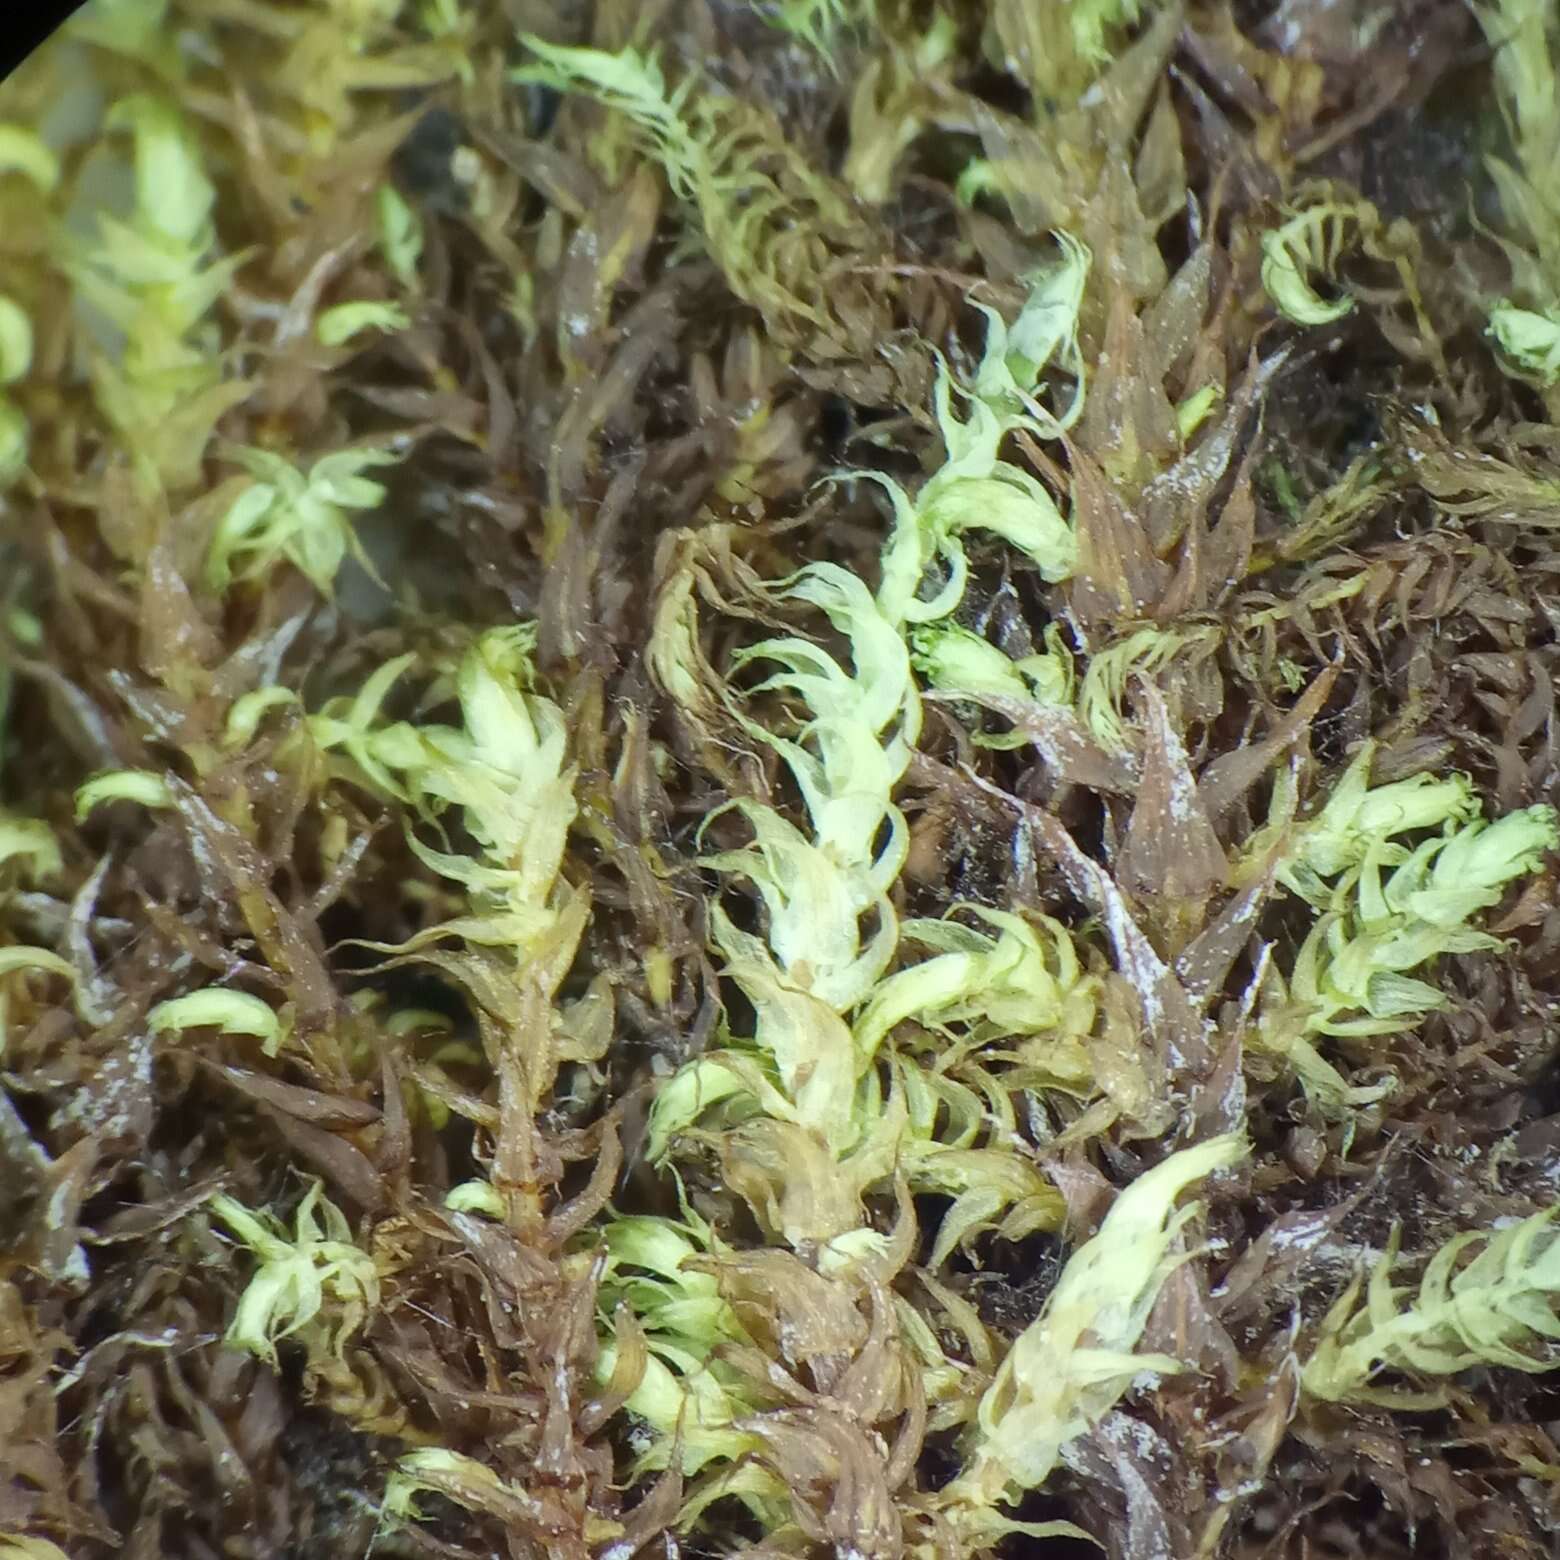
698,699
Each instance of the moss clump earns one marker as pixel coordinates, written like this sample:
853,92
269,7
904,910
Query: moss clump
774,777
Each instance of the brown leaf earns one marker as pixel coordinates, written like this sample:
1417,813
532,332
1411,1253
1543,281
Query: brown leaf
1168,1013
1128,424
291,1099
1173,322
791,1310
233,868
1265,1273
141,1220
1171,847
346,1167
1067,749
176,641
1118,578
1227,779
837,1477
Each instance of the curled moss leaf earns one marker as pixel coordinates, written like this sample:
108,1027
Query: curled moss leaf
434,1470
132,28
1024,980
400,235
14,1546
159,379
846,761
233,1012
973,491
23,151
892,99
953,660
476,1197
992,1189
21,957
1446,882
1520,33
31,843
1359,819
820,24
144,787
692,1093
1529,341
633,83
313,1283
1111,668
172,189
816,906
1307,246
1388,907
338,325
1192,412
249,709
1093,21
1357,958
779,228
16,341
687,1395
505,768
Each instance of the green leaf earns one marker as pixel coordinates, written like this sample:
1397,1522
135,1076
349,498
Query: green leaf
23,152
1497,1309
338,325
296,515
400,235
1071,1365
1529,342
314,1282
233,1012
32,842
144,787
16,341
1307,245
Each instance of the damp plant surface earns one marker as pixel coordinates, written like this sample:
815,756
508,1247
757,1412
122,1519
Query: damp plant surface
777,779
